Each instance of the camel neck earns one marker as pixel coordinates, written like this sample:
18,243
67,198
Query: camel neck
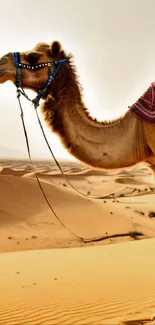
101,145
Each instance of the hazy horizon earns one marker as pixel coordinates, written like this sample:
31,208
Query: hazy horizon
113,47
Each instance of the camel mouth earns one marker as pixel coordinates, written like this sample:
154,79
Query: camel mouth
6,75
2,72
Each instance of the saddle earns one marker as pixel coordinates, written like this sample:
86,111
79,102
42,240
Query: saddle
144,108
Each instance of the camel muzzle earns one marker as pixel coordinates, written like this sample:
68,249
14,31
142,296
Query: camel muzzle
3,60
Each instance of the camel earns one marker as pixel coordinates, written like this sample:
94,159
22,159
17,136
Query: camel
119,143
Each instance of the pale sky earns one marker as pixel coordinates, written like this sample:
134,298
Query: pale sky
113,42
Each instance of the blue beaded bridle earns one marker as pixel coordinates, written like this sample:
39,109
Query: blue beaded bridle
43,89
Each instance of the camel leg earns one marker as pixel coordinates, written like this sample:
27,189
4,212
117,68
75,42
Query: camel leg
150,138
151,164
153,170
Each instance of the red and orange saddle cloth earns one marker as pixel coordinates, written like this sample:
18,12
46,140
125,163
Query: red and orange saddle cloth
144,108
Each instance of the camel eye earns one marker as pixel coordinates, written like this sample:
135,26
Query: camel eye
32,58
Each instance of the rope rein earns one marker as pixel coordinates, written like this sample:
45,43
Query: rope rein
35,102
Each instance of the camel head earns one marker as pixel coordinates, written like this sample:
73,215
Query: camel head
33,73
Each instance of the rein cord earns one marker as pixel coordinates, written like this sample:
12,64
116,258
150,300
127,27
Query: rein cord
35,102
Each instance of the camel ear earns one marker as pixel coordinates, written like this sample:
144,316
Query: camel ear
55,48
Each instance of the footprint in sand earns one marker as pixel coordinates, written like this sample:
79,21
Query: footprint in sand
152,214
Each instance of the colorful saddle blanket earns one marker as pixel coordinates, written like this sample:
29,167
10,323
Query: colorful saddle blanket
144,108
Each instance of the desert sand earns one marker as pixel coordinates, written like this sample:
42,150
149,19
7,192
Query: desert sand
44,282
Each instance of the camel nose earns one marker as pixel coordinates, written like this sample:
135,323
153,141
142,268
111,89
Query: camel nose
3,60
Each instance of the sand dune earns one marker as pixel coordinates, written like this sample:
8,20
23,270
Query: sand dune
12,172
95,285
113,284
28,223
26,220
